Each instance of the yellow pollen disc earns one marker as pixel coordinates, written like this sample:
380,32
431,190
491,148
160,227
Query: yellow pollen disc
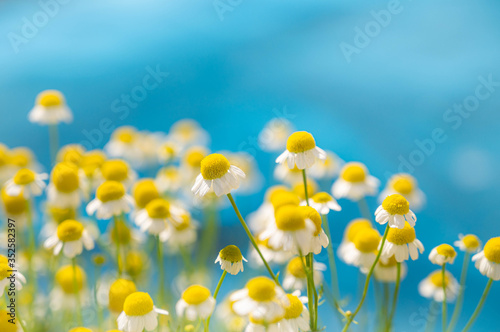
110,191
471,241
231,254
260,321
5,325
300,141
403,184
69,230
446,250
283,198
134,263
275,190
4,270
296,267
72,153
65,279
158,208
295,169
436,278
195,294
21,157
118,292
115,170
389,263
401,236
61,214
65,177
125,134
396,204
99,259
290,218
50,98
13,205
214,166
92,161
185,128
353,172
367,240
80,329
492,250
138,304
298,189
121,231
24,176
314,216
261,289
294,310
355,226
322,197
194,156
144,191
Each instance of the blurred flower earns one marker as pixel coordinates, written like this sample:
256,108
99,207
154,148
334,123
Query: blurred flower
296,315
124,144
188,132
287,175
71,153
488,260
168,179
402,243
6,271
90,167
407,186
139,313
118,170
181,234
327,169
355,182
27,183
71,237
196,303
191,163
6,324
395,209
301,151
273,136
319,240
64,190
69,288
22,157
296,277
432,286
15,207
118,292
231,259
387,271
365,249
323,203
469,243
155,217
111,200
144,191
298,189
350,233
263,325
442,254
253,180
168,151
50,108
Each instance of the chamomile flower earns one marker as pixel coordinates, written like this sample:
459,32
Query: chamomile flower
405,185
64,190
15,207
69,288
253,179
469,243
144,191
355,182
71,153
328,168
111,200
386,270
324,203
191,162
287,175
6,324
188,132
231,259
168,179
182,232
364,251
50,108
442,254
488,260
6,274
71,237
295,275
301,151
22,157
5,168
217,175
195,303
432,286
27,182
296,316
395,209
298,189
319,240
263,325
261,298
124,144
274,135
118,170
90,167
352,229
402,243
168,151
119,290
271,255
139,313
155,217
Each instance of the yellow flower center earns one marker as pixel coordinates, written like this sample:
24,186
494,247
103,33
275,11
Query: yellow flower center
290,218
65,278
20,157
138,304
214,166
471,241
72,153
24,176
353,172
294,310
14,205
436,279
300,141
91,161
69,230
396,204
314,216
401,236
389,263
194,156
261,289
118,292
355,226
185,128
195,294
260,321
446,250
403,184
110,191
65,177
185,222
296,267
492,250
5,325
144,192
50,98
134,263
4,270
99,259
125,135
275,190
115,170
231,254
61,214
322,198
121,231
283,198
367,240
158,208
80,329
298,189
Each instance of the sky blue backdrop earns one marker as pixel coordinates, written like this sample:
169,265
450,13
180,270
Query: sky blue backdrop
234,71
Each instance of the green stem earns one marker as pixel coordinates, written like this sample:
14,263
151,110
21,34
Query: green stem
443,276
367,282
31,252
215,296
161,267
117,240
364,209
461,293
77,295
304,178
331,259
53,142
310,295
395,298
98,307
479,306
385,305
252,239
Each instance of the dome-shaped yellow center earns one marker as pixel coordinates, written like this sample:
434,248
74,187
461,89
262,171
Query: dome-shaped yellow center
214,166
275,190
261,289
134,263
446,250
50,98
158,208
120,232
403,184
14,205
65,279
367,240
396,204
290,218
294,310
65,177
231,254
296,267
194,156
265,323
110,191
61,214
4,270
300,141
355,226
195,294
401,236
24,176
92,161
185,222
80,329
144,191
115,170
185,128
72,153
492,250
322,198
353,172
5,324
20,157
313,215
436,278
118,292
138,304
391,262
125,134
69,230
298,189
283,198
471,242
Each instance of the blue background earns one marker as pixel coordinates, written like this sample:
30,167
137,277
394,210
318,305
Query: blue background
260,59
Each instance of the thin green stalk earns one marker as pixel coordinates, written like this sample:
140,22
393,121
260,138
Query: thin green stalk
31,252
479,306
98,307
395,298
364,209
385,305
443,276
252,239
53,142
161,268
117,240
310,295
209,235
304,178
331,259
461,293
77,295
367,282
215,296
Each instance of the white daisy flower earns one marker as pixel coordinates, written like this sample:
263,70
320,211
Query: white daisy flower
217,175
169,179
324,203
295,275
287,175
442,254
181,234
355,182
274,135
196,303
364,251
347,245
488,260
328,168
139,313
168,151
14,207
124,143
261,325
118,292
231,259
67,293
469,243
296,316
191,163
188,132
405,185
27,182
50,109
111,200
395,209
432,287
301,151
253,179
119,171
271,255
71,237
8,272
402,243
155,217
319,240
387,271
65,188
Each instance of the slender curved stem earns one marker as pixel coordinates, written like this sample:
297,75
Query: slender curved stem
443,276
215,296
461,293
304,178
331,259
479,306
117,240
395,298
364,209
161,267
